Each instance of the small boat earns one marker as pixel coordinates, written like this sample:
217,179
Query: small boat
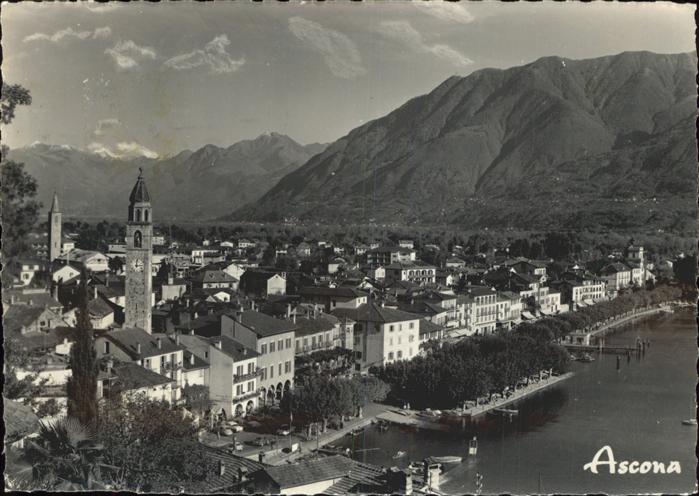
399,454
473,446
444,459
574,357
506,411
587,358
689,422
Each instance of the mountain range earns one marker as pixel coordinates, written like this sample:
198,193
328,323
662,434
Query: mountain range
557,143
203,184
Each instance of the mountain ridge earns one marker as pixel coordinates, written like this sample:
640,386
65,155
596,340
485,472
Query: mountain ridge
192,184
590,128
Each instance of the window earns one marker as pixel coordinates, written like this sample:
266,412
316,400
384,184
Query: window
287,367
400,354
272,347
399,339
390,355
390,342
411,325
137,239
263,376
280,345
358,355
305,342
106,346
280,368
390,328
251,368
162,361
271,371
288,343
313,341
263,349
298,344
239,370
400,327
411,338
206,354
251,386
239,389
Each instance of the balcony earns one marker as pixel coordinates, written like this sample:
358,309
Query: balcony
246,396
246,377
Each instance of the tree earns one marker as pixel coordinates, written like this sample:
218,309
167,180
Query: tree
116,265
82,384
153,446
20,210
66,457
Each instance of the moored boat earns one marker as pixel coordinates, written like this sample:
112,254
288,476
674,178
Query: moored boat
444,459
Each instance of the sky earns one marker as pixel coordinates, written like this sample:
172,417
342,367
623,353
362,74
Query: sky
152,79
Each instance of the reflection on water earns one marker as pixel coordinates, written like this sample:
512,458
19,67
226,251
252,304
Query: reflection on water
636,409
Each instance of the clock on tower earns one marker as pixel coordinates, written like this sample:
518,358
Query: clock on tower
139,255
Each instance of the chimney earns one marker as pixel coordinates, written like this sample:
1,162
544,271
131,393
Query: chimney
245,352
242,473
177,338
218,344
160,343
293,317
191,332
94,292
288,310
29,302
138,348
191,359
221,468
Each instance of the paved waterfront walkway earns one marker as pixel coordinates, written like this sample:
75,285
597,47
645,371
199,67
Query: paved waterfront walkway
370,412
629,318
518,394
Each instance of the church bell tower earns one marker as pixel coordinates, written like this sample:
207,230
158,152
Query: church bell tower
55,226
139,255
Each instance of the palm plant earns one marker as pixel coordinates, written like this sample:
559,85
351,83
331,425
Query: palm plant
66,457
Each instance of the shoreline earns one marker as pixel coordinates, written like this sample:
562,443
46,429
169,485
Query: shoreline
518,395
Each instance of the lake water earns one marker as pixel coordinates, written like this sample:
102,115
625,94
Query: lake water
637,410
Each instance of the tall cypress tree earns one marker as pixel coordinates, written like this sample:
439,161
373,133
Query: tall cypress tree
82,385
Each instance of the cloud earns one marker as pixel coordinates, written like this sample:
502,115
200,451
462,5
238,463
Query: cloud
129,149
104,126
446,11
213,55
104,32
100,8
68,34
339,52
129,55
404,32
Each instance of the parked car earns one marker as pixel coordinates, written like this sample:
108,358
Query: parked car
284,430
259,441
234,426
233,447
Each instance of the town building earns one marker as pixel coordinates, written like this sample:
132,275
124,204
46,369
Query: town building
388,255
233,376
382,335
332,298
262,283
417,272
274,340
155,352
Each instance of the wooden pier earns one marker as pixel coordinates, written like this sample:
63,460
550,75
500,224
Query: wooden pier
615,350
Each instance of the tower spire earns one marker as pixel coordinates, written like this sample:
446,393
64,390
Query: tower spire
54,205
